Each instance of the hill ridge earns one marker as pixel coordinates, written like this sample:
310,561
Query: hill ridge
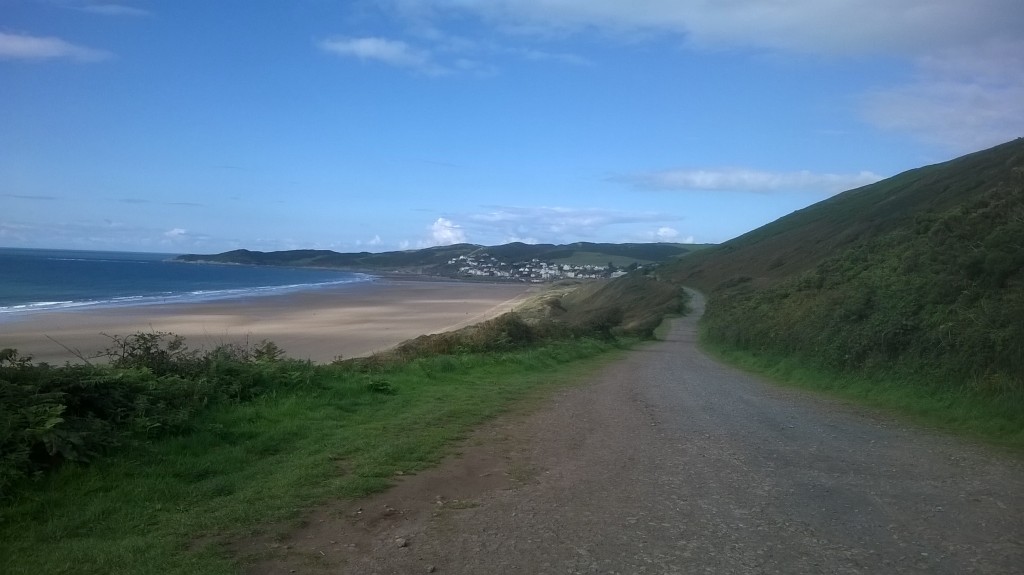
437,260
919,277
806,236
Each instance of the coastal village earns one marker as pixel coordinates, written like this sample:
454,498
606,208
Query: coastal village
534,270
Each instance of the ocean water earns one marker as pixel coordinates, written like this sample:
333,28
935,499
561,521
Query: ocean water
36,280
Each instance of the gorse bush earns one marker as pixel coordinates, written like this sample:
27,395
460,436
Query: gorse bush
943,298
632,305
153,385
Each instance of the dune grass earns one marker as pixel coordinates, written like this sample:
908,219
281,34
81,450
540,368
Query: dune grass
168,506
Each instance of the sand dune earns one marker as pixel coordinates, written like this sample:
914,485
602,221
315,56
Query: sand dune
350,321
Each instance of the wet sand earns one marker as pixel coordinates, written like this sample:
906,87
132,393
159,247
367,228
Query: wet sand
350,321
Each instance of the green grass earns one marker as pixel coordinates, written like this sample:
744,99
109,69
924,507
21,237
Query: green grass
797,242
599,259
170,506
907,293
994,416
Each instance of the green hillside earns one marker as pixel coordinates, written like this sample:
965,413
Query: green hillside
435,259
918,279
797,242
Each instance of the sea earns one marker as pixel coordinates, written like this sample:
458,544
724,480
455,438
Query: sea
33,280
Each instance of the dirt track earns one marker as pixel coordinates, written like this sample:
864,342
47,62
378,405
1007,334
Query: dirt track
669,462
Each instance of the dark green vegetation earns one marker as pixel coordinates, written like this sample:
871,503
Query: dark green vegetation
156,461
911,289
435,260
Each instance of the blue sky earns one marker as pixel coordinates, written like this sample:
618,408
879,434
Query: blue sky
198,126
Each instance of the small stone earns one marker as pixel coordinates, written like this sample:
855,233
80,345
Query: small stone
431,568
401,542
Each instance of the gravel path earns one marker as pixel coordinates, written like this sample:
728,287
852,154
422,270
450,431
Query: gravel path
669,462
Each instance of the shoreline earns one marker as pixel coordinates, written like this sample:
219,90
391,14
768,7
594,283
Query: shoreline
15,313
350,320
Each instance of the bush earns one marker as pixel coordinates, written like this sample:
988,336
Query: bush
945,295
153,385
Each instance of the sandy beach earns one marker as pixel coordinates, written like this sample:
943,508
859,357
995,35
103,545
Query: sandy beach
350,321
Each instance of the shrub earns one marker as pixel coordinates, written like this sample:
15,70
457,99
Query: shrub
153,385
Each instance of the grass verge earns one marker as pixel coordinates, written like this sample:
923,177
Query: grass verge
168,506
993,416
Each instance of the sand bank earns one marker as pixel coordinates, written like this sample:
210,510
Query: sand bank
349,321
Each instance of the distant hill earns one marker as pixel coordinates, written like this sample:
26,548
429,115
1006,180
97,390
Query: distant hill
922,272
436,260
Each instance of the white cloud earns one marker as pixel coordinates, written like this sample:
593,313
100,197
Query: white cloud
25,47
115,10
817,26
105,234
666,233
14,234
953,46
555,224
963,100
447,54
445,232
746,180
373,242
662,234
545,56
384,50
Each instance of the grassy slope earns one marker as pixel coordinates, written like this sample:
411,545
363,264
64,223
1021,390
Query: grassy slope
910,291
167,505
799,241
246,466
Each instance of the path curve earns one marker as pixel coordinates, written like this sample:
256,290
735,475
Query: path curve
669,462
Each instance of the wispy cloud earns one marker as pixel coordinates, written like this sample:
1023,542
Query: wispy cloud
547,56
30,197
952,47
817,26
111,9
960,99
555,224
374,241
383,50
25,47
434,52
102,234
663,234
746,180
144,201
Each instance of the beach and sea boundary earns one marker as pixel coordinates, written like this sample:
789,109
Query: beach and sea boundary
350,320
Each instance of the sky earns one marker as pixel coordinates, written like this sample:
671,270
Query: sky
195,126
